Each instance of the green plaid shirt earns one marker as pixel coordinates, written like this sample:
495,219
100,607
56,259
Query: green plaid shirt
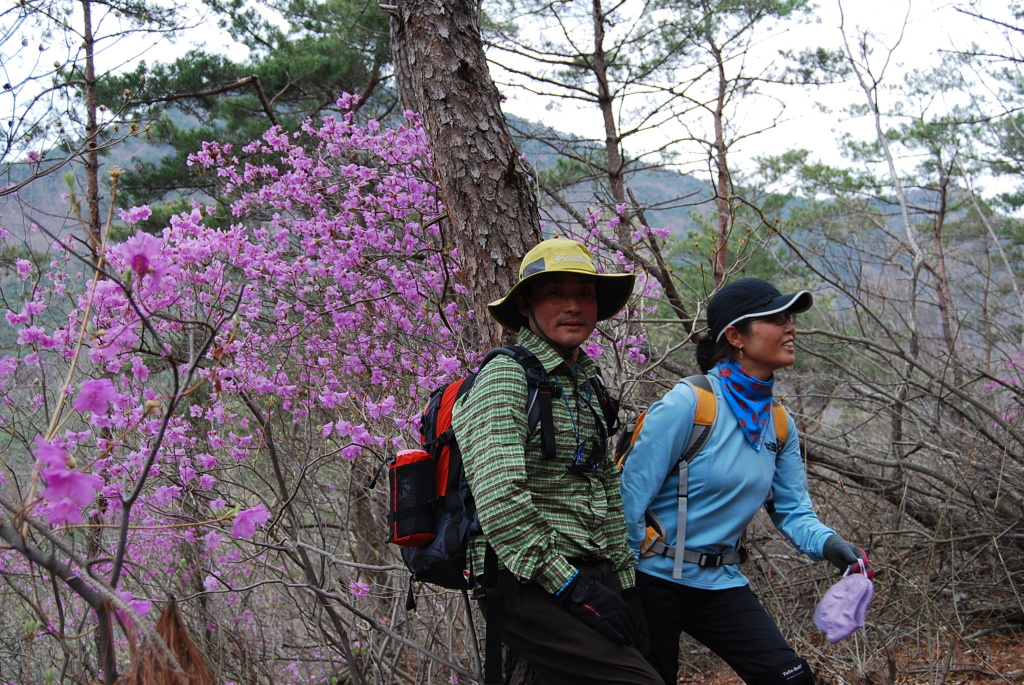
533,511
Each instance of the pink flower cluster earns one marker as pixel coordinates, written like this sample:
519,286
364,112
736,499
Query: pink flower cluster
322,311
316,302
67,490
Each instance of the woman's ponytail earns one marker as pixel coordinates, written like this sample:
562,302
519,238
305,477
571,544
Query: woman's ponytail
709,352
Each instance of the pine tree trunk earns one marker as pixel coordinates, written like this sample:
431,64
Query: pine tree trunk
92,155
493,218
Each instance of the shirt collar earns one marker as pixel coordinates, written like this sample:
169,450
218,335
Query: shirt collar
549,356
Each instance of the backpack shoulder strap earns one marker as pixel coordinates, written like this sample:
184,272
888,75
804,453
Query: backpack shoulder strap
703,417
609,405
540,392
780,418
627,438
703,423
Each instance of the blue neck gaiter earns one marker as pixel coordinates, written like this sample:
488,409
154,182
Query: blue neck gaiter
750,399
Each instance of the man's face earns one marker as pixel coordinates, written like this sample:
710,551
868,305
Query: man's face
564,308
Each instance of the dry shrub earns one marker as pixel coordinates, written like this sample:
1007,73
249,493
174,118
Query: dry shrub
150,665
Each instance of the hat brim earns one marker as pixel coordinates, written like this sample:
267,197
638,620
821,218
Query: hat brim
613,291
797,303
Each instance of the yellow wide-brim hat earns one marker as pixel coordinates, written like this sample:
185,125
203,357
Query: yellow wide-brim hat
566,256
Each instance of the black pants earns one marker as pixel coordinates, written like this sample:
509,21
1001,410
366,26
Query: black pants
562,649
731,623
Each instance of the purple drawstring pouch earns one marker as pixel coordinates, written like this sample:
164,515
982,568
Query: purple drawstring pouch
841,611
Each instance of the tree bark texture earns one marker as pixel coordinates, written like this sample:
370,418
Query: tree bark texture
723,177
613,140
493,219
92,154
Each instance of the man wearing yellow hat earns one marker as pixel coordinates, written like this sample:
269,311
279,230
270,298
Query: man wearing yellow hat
554,517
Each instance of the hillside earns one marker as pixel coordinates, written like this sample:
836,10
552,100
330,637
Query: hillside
46,201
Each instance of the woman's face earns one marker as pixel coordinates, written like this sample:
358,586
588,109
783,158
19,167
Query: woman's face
767,346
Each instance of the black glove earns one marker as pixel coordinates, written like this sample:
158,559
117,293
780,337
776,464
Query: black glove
598,607
636,611
845,554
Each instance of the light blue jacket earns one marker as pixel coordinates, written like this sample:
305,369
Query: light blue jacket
728,482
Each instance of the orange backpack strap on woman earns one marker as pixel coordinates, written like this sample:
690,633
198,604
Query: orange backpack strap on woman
703,424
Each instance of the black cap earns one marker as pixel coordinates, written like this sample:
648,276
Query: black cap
750,298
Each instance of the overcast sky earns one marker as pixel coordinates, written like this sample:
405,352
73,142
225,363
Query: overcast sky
914,30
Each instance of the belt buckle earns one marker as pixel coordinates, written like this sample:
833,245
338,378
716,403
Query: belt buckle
713,560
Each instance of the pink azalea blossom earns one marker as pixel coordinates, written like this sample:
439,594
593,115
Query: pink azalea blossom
141,606
8,365
592,349
96,396
34,308
63,511
140,370
51,456
164,495
36,335
67,490
74,486
248,520
212,540
24,268
17,319
142,254
358,589
135,214
187,473
205,460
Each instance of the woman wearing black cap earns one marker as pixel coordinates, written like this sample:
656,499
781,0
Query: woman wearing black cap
744,462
